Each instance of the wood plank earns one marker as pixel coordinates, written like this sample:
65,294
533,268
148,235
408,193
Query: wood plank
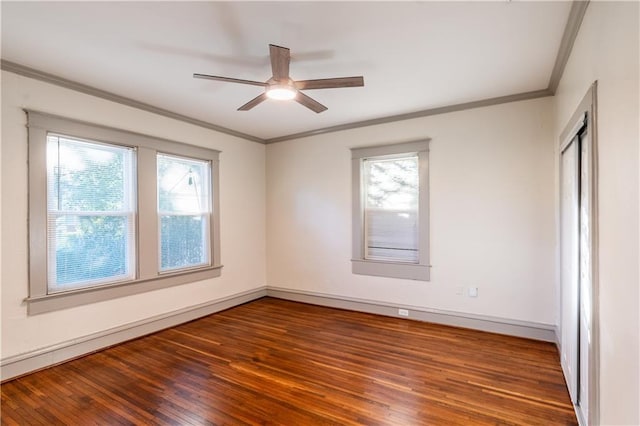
273,361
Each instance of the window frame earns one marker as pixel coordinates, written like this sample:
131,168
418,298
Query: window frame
384,268
147,276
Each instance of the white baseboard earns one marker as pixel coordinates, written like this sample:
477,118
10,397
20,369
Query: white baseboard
530,330
25,363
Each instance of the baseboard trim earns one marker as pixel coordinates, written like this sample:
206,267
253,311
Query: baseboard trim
18,365
26,363
529,330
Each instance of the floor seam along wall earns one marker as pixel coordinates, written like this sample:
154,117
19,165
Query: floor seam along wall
28,362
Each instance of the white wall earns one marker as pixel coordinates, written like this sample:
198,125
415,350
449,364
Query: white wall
492,209
492,213
606,50
242,200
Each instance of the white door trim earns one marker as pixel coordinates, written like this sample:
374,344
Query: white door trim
586,112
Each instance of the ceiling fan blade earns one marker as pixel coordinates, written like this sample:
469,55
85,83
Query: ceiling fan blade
330,83
310,103
280,59
229,80
253,102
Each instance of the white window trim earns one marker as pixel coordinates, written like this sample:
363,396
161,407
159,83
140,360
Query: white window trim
147,276
362,266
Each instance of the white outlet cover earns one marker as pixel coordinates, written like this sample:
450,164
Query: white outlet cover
473,291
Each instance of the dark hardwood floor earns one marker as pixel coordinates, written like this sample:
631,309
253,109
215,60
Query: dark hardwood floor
277,362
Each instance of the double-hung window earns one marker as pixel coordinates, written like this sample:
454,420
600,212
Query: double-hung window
114,213
90,213
390,210
184,209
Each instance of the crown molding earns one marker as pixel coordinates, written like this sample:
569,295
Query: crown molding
417,114
576,15
93,91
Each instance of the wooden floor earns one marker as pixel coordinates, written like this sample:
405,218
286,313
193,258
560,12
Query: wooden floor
278,362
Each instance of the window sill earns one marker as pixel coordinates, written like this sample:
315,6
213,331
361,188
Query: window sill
82,296
380,268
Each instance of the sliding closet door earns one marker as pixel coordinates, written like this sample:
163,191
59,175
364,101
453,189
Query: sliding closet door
570,266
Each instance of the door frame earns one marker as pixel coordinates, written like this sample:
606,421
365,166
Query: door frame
587,111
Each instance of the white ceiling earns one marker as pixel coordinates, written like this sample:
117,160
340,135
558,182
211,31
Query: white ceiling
413,55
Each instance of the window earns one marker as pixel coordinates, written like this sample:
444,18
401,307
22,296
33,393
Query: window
390,188
114,213
183,207
90,213
390,210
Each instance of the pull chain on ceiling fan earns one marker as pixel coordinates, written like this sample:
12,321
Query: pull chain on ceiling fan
281,86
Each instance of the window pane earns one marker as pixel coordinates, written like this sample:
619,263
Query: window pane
391,209
89,249
87,177
392,235
90,213
183,241
183,185
184,207
392,183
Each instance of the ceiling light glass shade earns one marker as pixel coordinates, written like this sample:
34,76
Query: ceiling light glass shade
281,93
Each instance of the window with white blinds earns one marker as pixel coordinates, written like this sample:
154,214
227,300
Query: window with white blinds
390,210
90,213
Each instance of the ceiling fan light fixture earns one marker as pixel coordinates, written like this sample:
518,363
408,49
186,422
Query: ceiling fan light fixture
283,88
281,92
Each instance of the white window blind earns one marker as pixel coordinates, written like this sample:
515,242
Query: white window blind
390,187
184,210
90,213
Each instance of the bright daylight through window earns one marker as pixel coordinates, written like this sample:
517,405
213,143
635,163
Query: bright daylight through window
183,206
390,210
90,209
114,213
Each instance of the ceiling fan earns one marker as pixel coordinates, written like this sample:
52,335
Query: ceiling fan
281,86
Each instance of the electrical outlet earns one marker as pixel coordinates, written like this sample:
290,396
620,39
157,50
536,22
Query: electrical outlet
403,312
473,291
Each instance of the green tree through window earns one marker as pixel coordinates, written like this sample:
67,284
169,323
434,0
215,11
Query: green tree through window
184,207
90,199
